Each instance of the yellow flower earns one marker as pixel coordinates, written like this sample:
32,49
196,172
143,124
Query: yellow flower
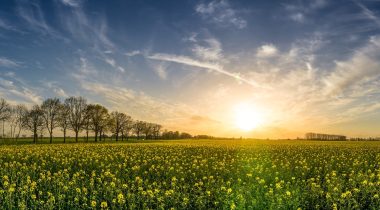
11,189
120,198
103,204
93,204
288,193
229,190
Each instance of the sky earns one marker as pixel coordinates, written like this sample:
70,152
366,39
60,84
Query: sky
195,66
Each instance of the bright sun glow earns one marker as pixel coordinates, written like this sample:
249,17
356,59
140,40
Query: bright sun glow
247,117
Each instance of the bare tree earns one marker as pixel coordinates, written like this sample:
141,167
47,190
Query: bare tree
17,117
156,128
34,121
50,108
77,107
117,122
12,121
63,120
138,127
147,129
98,115
127,127
5,111
105,126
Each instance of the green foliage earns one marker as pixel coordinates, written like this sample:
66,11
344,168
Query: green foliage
200,174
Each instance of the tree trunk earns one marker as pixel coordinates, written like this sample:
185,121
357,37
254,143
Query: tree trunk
76,136
64,135
87,135
117,136
51,137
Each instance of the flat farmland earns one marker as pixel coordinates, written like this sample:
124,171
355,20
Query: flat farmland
191,174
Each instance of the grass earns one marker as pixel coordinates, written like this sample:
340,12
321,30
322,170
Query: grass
191,174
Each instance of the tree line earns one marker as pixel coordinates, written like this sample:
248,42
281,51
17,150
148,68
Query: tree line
325,137
75,114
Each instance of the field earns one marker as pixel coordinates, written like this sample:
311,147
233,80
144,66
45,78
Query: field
196,174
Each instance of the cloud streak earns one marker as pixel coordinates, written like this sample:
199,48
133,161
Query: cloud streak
6,62
205,65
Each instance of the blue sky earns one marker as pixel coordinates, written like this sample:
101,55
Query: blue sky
300,65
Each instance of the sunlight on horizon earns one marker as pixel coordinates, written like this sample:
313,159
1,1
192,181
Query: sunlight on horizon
247,117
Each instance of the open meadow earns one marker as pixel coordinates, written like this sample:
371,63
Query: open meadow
191,174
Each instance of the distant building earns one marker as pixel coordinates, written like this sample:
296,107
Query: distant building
325,137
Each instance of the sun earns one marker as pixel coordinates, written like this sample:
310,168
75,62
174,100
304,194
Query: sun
247,117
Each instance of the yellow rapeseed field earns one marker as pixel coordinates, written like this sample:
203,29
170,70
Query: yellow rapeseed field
196,174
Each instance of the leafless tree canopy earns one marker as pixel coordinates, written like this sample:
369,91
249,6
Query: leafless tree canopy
50,108
5,110
76,117
34,121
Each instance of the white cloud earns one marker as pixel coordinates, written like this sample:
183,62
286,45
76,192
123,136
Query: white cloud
267,50
211,52
298,17
160,70
111,62
32,14
133,53
220,12
368,13
121,69
364,66
72,3
14,89
92,30
7,26
206,65
6,62
53,86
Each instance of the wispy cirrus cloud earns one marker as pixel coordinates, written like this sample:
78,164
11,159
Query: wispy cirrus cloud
221,13
88,30
31,13
72,3
200,64
113,63
364,66
133,53
368,13
7,26
15,89
6,62
211,52
55,88
299,11
161,70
